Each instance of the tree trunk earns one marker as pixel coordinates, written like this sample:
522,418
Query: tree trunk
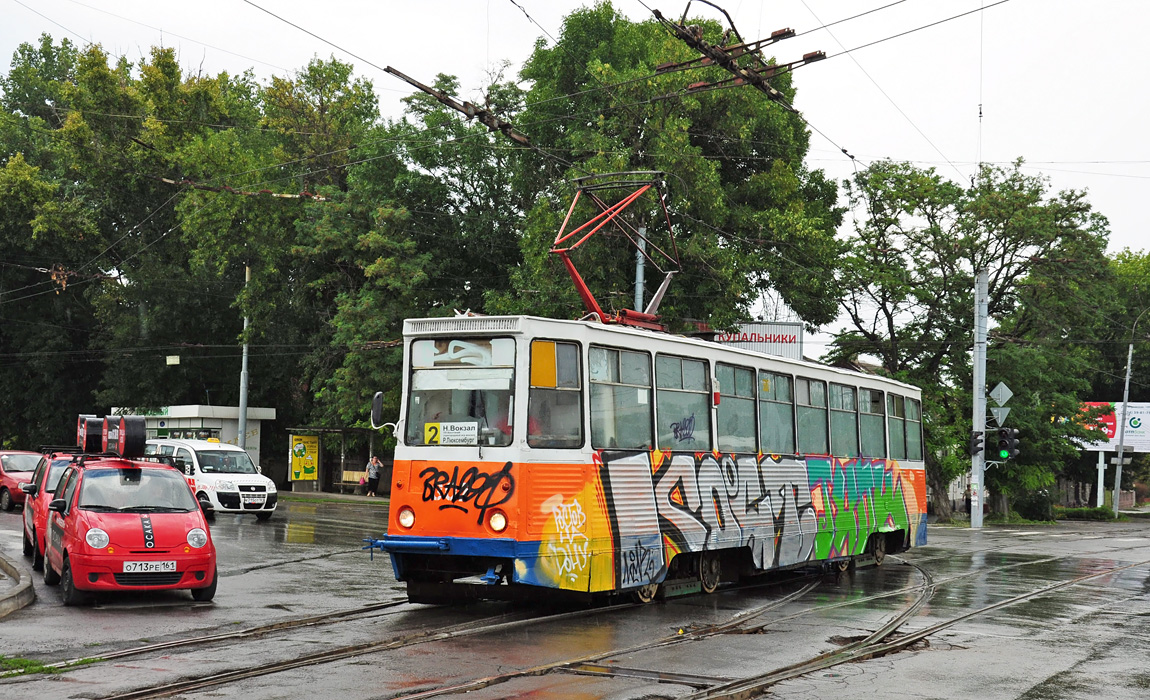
939,492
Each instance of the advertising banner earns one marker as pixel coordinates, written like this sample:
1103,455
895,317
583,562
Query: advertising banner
1137,436
304,457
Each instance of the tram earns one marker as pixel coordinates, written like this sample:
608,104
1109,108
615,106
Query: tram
538,456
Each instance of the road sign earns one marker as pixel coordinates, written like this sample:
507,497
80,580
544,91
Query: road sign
1125,461
1001,394
999,413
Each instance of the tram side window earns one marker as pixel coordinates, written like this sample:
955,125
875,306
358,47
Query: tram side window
776,414
913,429
811,415
844,421
683,395
620,399
735,414
554,405
896,426
872,428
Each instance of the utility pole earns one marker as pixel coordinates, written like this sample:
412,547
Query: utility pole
243,427
640,249
978,413
1125,402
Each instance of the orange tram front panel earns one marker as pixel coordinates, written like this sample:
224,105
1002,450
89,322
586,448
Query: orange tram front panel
617,522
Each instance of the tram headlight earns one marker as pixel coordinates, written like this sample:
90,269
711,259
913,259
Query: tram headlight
497,520
406,517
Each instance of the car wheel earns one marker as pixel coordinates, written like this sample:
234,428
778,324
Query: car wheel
29,548
203,595
68,590
263,516
37,555
6,500
50,576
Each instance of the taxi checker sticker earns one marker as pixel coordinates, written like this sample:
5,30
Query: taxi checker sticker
454,433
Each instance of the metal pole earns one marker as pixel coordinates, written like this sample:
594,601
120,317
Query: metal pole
640,263
978,461
1100,492
1122,428
243,428
1125,401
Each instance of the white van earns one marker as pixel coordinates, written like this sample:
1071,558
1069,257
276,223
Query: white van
222,475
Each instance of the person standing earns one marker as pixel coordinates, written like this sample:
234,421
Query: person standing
373,468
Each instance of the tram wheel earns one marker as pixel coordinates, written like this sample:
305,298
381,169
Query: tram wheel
709,572
845,565
645,594
879,549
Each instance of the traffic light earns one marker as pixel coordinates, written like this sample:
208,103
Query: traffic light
1007,443
976,443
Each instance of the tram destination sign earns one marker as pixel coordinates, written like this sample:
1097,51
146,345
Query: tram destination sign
451,433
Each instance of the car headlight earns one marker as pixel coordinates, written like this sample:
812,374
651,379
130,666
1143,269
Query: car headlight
271,487
197,537
406,517
225,486
96,538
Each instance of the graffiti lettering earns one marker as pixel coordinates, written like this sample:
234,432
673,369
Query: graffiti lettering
481,490
684,430
572,549
638,566
785,511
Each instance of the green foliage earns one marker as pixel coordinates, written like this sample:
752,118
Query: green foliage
1104,514
908,280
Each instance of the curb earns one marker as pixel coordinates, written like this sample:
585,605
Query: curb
21,594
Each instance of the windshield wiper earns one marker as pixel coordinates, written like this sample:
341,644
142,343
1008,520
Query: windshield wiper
100,507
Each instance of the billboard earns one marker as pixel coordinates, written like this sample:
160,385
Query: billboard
304,457
1137,436
784,339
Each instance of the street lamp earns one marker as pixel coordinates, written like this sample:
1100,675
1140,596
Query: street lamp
1122,425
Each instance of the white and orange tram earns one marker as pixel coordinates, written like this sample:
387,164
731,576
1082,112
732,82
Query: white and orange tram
541,455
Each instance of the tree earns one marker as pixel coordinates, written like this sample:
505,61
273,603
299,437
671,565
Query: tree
748,215
908,279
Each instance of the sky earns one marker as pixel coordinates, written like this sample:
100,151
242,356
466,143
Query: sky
1053,78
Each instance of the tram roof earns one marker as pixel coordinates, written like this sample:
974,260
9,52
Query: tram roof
519,325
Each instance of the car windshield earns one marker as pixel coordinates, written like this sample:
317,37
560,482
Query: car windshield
225,462
136,490
20,463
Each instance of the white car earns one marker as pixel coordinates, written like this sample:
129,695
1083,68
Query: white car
222,475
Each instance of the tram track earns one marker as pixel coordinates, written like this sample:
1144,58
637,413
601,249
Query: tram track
738,624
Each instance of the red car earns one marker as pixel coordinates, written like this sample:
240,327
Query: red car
38,495
15,470
120,524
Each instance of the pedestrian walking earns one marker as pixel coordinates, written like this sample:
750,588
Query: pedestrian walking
373,467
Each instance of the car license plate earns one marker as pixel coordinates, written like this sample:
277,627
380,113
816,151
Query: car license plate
253,499
148,567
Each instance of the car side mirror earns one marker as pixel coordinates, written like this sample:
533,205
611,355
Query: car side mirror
58,505
259,469
30,488
189,469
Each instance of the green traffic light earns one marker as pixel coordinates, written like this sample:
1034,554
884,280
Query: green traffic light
1004,454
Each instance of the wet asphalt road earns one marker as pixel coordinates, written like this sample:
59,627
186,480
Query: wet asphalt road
1081,641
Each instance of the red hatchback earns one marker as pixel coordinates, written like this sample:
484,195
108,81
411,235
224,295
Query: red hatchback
38,495
15,470
119,524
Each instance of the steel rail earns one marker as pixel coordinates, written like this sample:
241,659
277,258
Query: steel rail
874,645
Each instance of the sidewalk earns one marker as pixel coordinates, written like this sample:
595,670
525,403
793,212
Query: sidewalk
15,586
318,496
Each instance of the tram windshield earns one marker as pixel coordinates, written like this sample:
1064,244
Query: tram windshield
461,392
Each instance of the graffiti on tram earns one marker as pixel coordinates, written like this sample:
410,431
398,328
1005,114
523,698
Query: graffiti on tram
650,506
